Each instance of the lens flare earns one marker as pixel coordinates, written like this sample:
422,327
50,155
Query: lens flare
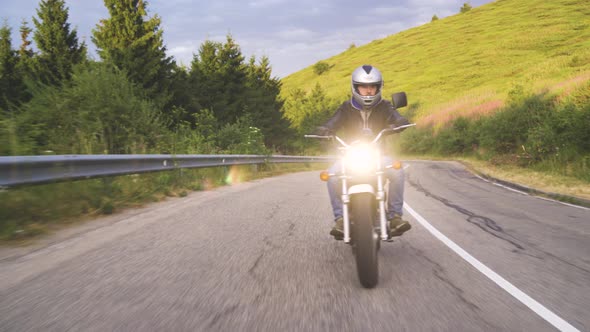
235,175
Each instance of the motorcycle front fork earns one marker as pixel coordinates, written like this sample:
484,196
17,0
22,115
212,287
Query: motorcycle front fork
380,199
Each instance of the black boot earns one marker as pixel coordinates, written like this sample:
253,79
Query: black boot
398,226
338,230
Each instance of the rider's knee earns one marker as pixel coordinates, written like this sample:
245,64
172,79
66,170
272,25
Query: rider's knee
395,174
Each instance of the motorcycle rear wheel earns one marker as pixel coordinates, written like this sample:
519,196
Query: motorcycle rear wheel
364,239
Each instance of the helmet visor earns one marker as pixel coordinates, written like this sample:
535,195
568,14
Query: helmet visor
364,89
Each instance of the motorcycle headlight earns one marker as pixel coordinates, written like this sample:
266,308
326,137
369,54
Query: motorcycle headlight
361,158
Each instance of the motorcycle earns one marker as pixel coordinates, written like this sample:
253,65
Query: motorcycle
364,197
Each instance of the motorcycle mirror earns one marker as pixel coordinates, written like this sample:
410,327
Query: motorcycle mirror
399,99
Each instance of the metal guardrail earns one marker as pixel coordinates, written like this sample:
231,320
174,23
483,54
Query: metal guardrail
26,170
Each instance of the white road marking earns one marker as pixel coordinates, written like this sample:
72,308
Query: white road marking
503,186
564,203
525,193
535,306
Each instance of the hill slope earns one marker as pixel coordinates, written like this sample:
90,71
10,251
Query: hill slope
468,63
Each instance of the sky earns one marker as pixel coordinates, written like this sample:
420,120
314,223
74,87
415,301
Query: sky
293,34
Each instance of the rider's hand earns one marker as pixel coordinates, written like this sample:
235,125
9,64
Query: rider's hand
400,123
323,131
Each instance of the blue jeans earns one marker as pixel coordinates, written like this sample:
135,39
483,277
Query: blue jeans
395,198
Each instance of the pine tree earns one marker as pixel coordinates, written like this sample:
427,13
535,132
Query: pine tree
264,104
318,108
233,76
25,52
237,92
134,43
218,75
58,46
183,97
204,77
8,73
25,64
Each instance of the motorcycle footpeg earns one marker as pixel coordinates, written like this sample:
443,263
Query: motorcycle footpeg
378,231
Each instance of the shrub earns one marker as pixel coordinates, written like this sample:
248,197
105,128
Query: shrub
321,67
418,140
465,8
241,137
100,111
457,138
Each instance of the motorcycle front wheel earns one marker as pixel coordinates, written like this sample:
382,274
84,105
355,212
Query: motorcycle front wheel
364,239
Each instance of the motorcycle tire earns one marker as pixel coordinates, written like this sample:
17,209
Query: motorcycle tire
364,239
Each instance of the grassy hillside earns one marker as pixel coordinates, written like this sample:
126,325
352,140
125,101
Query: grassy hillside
468,63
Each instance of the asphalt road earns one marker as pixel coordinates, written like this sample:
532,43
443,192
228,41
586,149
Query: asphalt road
257,256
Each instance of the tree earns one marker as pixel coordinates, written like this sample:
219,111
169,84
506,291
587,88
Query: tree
264,105
9,79
218,75
183,97
318,109
203,71
466,7
26,62
239,95
307,111
25,53
134,43
99,111
58,46
233,77
434,18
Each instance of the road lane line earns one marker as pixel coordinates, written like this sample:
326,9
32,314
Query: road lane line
501,185
535,306
528,194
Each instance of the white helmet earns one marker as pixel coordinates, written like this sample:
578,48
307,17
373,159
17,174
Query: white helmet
366,75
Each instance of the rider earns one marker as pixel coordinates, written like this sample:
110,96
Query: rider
367,110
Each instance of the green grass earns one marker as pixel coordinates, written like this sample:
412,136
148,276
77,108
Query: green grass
452,66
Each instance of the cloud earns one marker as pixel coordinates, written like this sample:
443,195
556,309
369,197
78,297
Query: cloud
212,19
265,3
392,11
295,34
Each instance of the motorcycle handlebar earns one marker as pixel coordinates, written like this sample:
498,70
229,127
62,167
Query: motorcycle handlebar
377,138
387,130
316,136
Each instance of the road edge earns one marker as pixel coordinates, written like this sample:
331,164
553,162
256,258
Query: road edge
529,190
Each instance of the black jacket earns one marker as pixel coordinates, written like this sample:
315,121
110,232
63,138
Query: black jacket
348,118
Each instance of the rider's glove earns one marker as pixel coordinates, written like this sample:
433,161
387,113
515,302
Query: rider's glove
401,122
323,131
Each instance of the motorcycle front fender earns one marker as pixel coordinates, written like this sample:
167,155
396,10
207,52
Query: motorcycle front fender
361,188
